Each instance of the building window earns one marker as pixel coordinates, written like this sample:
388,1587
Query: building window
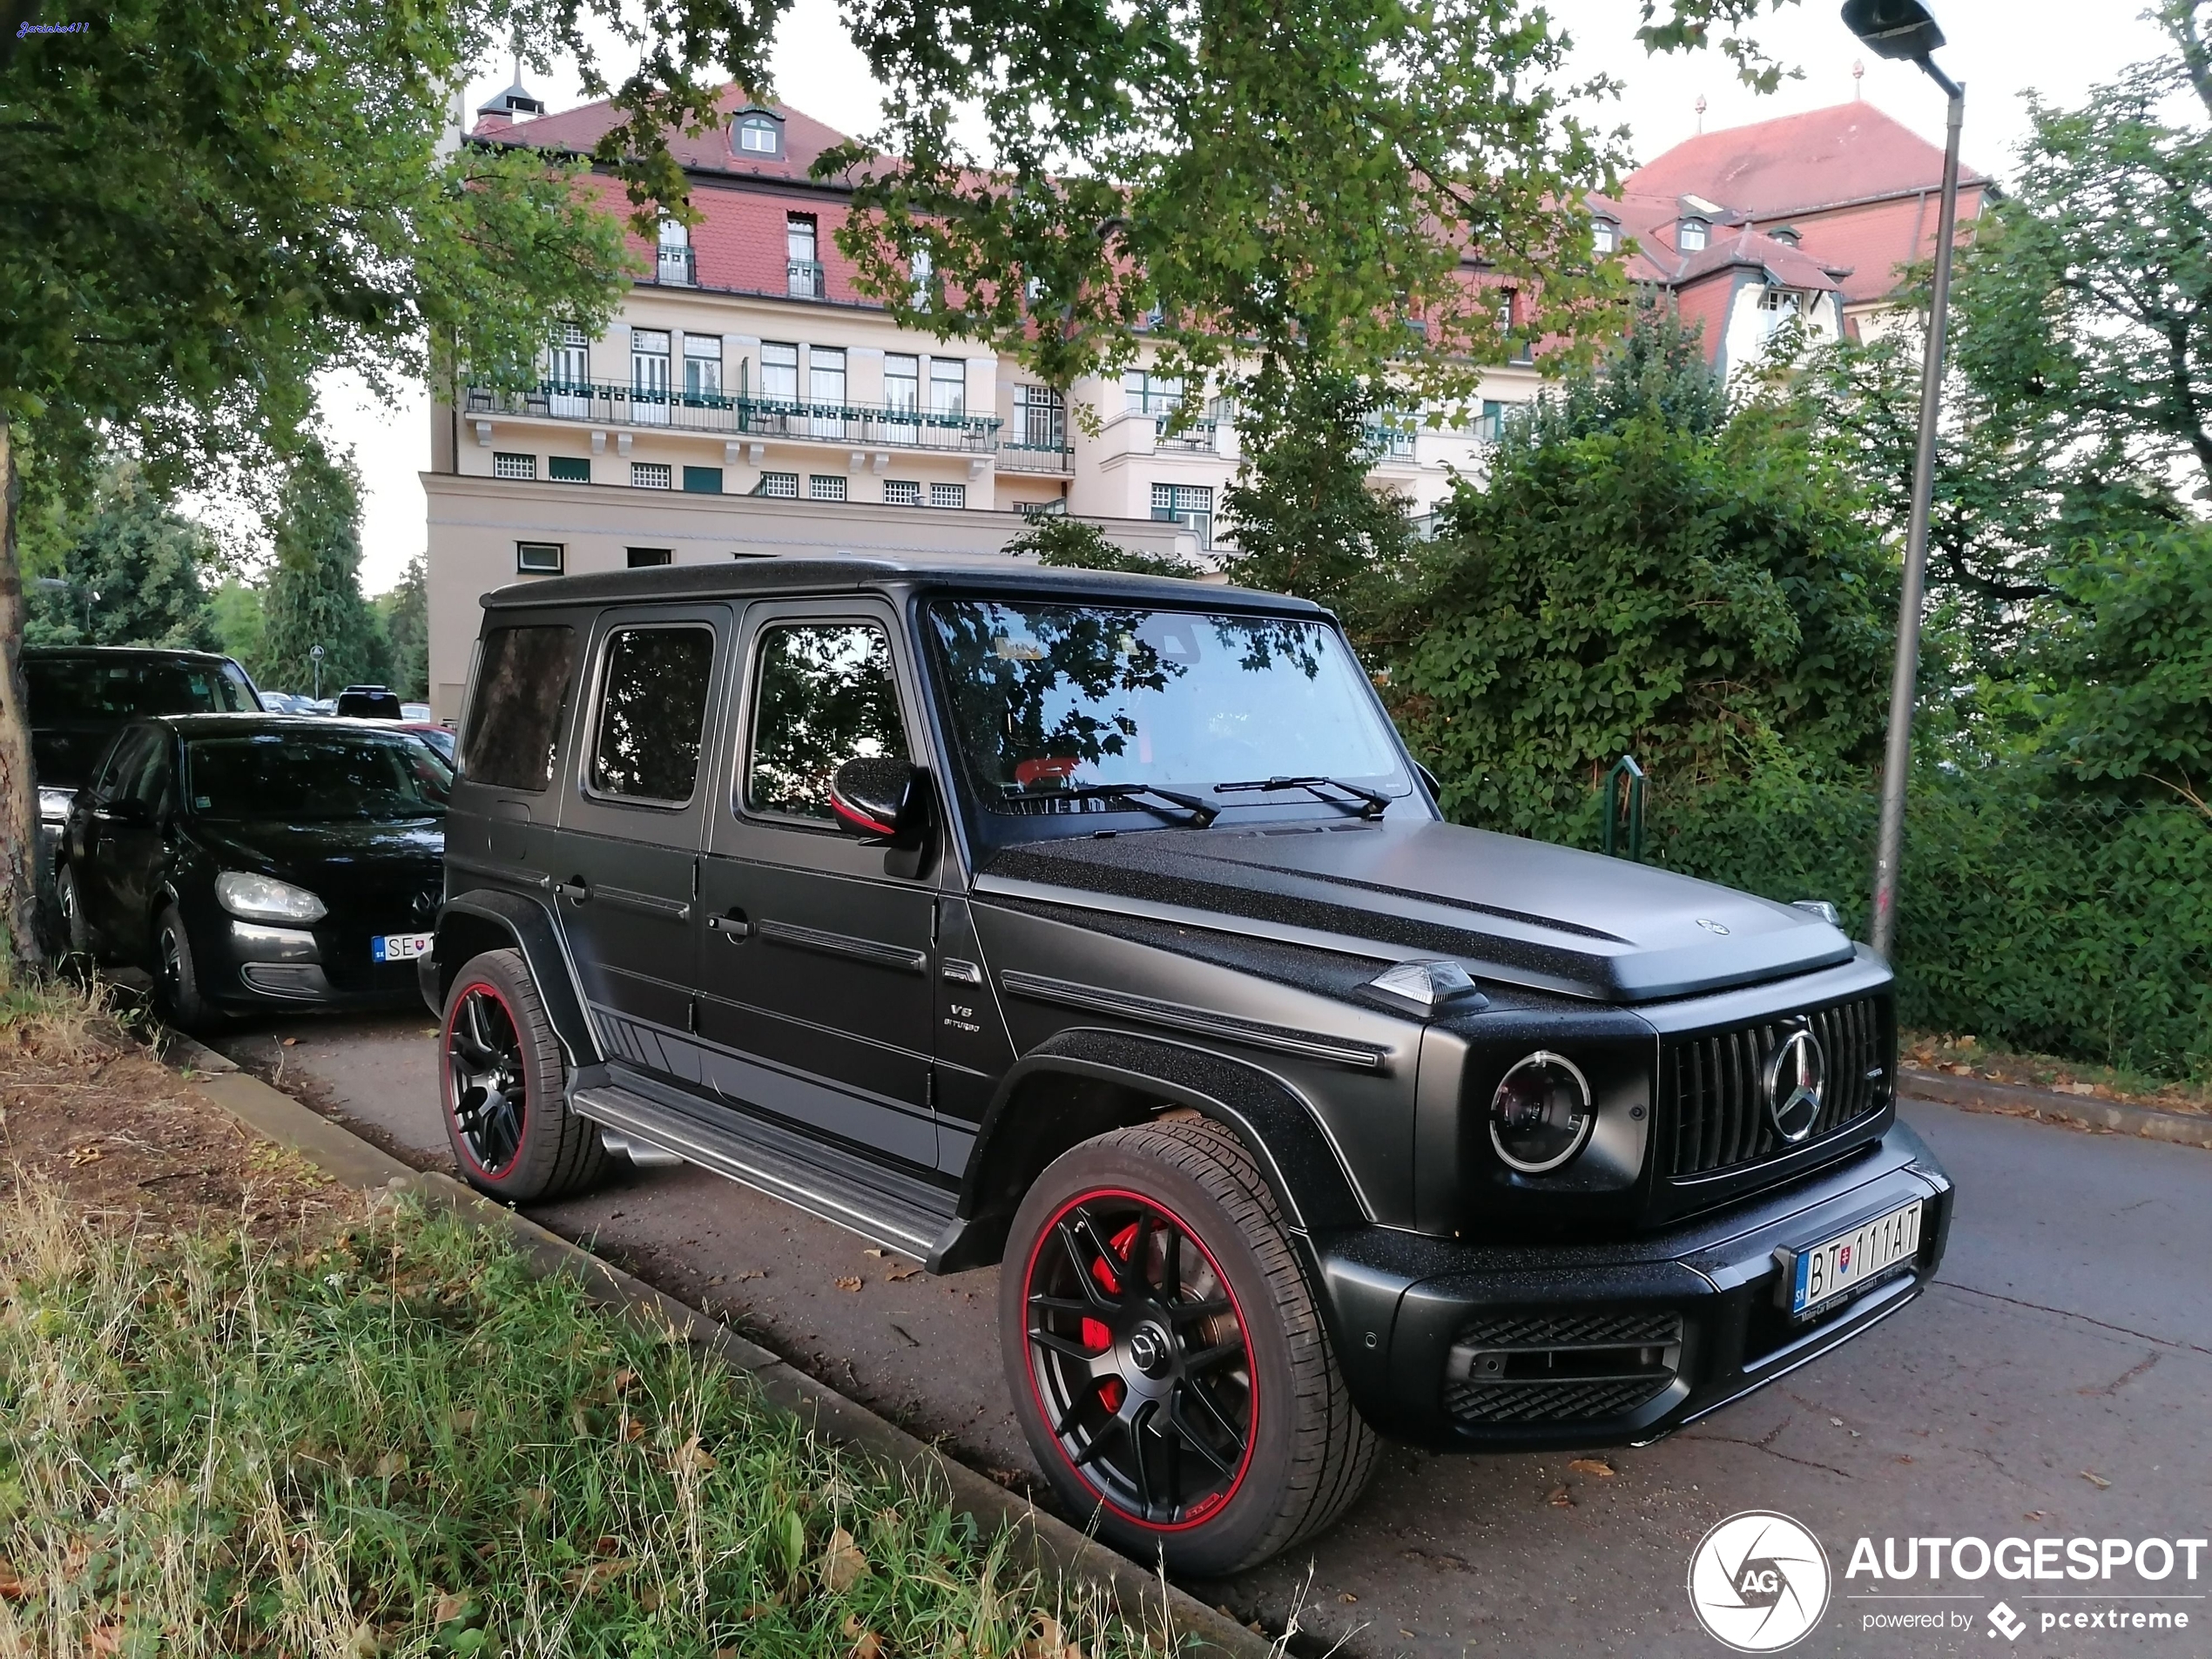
570,366
947,386
760,135
675,264
1605,236
1690,236
826,486
702,366
568,470
1189,505
703,481
949,494
648,375
826,377
801,250
901,492
651,474
506,466
1148,394
920,268
901,382
1041,416
1056,508
1777,308
644,558
783,485
540,558
1491,425
778,372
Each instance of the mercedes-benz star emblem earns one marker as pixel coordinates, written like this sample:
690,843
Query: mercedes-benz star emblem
1795,1078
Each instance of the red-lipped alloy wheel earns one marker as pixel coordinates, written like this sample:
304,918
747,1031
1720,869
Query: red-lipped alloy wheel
1138,1354
484,1085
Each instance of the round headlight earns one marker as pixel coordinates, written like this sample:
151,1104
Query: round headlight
1540,1116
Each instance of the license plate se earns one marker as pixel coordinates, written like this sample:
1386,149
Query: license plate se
1850,1260
400,948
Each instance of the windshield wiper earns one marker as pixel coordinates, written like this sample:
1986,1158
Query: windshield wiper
1368,803
1201,813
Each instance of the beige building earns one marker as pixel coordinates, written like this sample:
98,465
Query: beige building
750,400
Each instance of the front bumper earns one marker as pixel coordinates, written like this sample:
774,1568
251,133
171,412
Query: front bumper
1647,1334
255,965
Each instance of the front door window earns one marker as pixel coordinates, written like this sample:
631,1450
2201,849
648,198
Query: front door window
826,697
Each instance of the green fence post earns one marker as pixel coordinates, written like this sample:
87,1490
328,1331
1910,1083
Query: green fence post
1625,765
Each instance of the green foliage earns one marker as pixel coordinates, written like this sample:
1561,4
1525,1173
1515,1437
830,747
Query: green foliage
137,571
1075,543
1306,520
1701,600
404,615
398,1440
313,596
242,629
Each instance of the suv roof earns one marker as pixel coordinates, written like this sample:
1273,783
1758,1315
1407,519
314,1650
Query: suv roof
150,653
749,576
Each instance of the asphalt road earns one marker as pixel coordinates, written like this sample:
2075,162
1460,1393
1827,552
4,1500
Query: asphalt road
2057,1380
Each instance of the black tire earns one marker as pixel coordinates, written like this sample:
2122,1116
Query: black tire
501,1089
176,974
68,912
1261,1446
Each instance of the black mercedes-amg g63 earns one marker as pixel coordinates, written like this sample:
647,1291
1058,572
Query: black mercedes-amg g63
1101,927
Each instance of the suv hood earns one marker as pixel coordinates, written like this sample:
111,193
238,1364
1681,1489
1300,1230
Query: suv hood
1523,912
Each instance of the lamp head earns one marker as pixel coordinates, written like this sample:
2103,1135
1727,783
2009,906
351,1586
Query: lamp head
1894,28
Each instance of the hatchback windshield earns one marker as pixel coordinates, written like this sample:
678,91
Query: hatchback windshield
1049,699
327,775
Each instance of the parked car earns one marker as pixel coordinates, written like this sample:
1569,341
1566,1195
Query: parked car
370,703
259,860
1102,927
440,738
417,714
81,696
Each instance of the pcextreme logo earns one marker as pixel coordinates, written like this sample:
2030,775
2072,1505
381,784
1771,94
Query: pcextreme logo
1758,1581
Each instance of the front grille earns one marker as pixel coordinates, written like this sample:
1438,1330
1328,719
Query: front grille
1560,1368
1715,1086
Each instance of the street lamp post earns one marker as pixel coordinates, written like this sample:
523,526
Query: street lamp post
1904,29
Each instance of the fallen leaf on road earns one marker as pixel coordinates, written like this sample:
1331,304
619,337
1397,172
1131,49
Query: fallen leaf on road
292,1043
899,1273
1835,1422
872,1250
1596,1466
2037,1514
842,1565
848,1283
2096,1480
716,1280
85,1155
1560,1499
1346,1597
758,1272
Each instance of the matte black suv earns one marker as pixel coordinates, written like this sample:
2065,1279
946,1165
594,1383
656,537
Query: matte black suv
1102,927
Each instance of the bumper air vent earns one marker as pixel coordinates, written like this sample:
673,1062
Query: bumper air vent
1571,1368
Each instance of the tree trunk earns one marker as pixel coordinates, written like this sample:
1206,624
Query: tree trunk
19,955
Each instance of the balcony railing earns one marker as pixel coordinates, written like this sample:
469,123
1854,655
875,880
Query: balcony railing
677,268
858,424
1198,435
1036,457
807,280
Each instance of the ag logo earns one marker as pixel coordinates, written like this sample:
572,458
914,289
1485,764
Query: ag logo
1758,1581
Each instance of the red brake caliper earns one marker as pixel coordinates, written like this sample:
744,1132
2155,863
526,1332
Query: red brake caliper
1095,1335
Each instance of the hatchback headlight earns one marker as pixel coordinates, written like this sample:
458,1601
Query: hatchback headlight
1540,1116
262,897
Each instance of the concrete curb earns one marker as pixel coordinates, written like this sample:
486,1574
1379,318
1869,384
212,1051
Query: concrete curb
2079,1111
1038,1540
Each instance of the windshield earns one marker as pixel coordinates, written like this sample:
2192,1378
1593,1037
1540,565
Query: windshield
1048,699
321,776
68,688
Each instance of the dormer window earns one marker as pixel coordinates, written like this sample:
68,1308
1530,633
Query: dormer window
1691,235
1605,235
1785,234
758,136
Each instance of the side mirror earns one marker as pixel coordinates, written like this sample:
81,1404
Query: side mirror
881,800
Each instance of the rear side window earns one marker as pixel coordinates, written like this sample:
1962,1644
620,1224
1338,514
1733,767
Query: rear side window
826,697
652,714
523,680
65,689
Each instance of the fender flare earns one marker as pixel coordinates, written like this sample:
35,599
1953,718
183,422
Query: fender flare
1277,1125
529,925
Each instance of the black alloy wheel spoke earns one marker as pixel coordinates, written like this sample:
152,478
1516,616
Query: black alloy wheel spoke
489,1096
1059,1344
1187,1433
1185,1312
1042,1303
1139,1470
1094,1294
1189,1393
1219,1354
1115,1267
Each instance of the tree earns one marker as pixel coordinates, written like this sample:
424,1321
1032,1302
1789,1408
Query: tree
241,630
315,596
137,573
1304,519
1634,579
404,615
1064,543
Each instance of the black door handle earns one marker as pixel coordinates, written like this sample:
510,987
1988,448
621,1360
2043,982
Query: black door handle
577,889
734,926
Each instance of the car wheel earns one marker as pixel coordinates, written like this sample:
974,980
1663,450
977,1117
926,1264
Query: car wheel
77,931
1166,1357
176,974
503,1085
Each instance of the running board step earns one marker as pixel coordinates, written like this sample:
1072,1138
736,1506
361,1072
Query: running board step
897,1221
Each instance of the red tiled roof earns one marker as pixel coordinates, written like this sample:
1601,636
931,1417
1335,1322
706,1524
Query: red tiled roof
709,152
1845,153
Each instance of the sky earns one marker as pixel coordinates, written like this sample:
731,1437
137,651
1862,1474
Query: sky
2002,50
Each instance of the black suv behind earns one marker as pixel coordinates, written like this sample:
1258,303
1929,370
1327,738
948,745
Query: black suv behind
1101,927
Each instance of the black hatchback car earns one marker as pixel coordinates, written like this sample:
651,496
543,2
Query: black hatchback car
1102,927
259,860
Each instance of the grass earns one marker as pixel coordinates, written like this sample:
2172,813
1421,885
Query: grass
393,1440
